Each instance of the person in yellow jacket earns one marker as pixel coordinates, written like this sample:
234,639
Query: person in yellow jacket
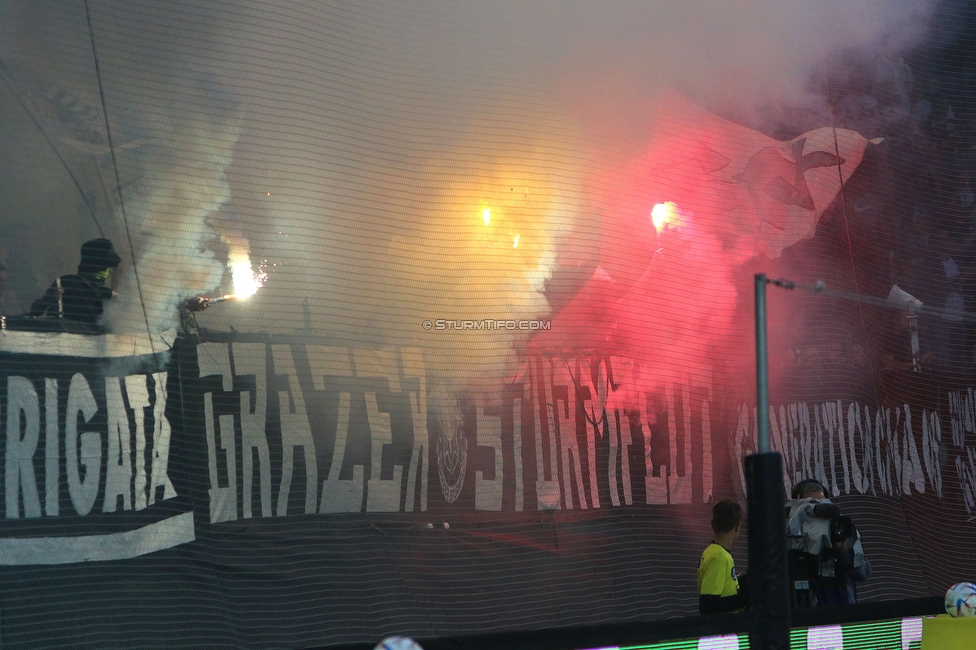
718,583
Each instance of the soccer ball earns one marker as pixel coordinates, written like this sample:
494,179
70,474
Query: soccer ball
397,643
960,600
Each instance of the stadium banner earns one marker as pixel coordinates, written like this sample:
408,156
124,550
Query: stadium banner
296,425
85,449
231,463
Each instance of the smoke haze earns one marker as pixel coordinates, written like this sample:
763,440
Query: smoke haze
359,145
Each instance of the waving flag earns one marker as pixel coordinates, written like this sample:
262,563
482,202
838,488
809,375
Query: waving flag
721,194
757,194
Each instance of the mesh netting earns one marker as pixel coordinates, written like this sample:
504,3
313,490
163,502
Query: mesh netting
436,318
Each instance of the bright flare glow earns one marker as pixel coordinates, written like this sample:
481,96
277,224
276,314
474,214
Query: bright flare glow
246,281
663,213
517,237
486,215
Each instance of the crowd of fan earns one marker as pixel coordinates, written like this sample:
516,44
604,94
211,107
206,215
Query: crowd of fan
907,217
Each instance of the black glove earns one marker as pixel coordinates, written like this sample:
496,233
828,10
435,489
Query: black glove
196,303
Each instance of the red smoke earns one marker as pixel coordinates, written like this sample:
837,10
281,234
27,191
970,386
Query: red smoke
668,299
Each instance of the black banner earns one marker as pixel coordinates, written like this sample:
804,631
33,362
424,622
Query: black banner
85,453
255,475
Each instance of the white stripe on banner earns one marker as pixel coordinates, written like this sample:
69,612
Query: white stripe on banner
97,548
86,345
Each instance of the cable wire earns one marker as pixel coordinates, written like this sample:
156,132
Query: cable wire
8,80
918,308
118,180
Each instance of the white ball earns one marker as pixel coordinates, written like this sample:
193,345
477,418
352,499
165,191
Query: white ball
398,643
960,600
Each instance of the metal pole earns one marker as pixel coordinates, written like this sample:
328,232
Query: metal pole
913,328
762,373
768,568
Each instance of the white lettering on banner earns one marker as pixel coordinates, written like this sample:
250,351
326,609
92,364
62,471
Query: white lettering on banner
817,456
162,433
21,443
569,449
620,442
118,466
966,470
850,447
679,487
250,360
590,386
488,493
833,429
912,465
517,407
382,495
865,454
214,359
547,483
296,433
342,495
962,415
237,361
413,366
124,483
931,444
741,435
83,450
377,363
138,393
849,452
656,487
585,392
51,448
707,458
962,418
87,460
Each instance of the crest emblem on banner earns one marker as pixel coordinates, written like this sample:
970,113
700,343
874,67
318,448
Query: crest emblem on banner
452,451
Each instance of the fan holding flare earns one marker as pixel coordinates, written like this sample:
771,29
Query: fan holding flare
246,284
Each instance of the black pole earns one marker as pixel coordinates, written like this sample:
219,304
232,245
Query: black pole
768,576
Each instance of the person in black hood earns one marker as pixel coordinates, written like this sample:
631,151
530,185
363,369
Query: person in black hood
81,297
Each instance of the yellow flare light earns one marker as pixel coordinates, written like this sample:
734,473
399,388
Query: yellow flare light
246,281
517,237
486,215
663,213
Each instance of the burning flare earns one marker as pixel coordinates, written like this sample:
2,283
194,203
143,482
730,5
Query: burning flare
246,280
663,214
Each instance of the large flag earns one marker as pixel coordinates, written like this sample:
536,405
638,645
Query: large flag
585,323
732,194
757,194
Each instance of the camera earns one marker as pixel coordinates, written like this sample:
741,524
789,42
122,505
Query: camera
842,530
825,554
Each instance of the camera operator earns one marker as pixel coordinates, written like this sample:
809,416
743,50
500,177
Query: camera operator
826,557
